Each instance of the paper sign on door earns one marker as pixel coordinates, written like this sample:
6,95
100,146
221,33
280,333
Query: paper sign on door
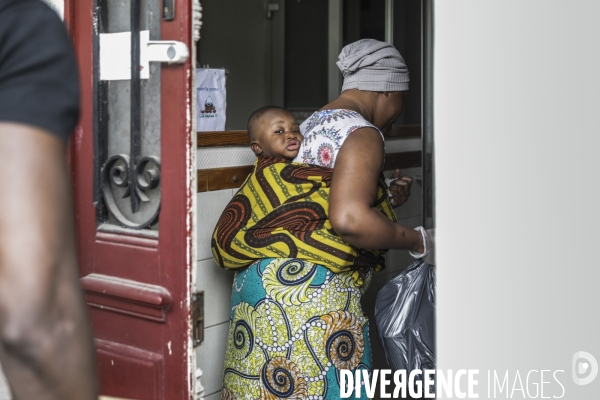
115,56
211,100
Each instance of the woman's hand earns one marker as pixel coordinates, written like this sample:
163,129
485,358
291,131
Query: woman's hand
400,188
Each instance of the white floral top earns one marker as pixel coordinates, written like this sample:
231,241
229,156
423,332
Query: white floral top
324,134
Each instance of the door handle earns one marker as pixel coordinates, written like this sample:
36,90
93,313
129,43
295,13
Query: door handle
167,51
271,7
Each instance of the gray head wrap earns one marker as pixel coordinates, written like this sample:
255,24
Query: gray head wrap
373,66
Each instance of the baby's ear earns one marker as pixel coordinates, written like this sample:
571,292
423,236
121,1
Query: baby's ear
256,148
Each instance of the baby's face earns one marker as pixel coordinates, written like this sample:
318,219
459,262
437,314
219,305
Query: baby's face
278,135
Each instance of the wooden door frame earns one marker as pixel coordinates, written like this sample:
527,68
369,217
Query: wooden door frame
173,252
427,15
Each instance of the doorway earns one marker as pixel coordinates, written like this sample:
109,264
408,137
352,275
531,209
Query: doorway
283,53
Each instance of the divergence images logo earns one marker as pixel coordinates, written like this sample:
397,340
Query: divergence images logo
585,368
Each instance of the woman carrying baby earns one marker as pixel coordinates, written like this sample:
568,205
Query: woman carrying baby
305,236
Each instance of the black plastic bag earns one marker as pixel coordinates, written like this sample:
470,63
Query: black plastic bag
405,318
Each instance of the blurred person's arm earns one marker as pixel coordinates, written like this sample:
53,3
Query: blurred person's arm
46,346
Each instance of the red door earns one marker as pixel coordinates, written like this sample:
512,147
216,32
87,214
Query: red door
133,162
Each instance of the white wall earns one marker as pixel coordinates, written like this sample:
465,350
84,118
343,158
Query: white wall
517,88
213,280
216,284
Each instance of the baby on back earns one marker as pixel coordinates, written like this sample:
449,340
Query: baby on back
273,132
281,209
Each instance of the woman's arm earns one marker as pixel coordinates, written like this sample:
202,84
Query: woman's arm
354,191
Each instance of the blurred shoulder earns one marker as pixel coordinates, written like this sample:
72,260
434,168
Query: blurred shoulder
39,82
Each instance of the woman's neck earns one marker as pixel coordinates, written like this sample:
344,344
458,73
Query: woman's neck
354,100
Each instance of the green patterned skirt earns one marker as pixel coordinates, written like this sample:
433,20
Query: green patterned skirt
294,325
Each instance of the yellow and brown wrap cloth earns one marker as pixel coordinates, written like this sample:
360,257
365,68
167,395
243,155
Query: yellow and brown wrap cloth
282,211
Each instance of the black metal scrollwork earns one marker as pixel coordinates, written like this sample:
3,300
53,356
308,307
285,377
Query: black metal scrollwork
133,176
146,176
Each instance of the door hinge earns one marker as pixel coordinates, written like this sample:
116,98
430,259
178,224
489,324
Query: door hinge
198,318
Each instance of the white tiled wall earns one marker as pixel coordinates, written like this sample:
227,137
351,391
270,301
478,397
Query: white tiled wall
224,156
211,356
214,396
210,206
216,284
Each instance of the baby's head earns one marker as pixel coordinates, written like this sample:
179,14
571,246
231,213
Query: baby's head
273,132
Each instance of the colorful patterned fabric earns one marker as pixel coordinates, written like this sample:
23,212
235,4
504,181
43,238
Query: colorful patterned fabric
324,134
294,325
281,211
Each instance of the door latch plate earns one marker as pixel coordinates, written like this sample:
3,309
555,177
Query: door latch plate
198,318
168,10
